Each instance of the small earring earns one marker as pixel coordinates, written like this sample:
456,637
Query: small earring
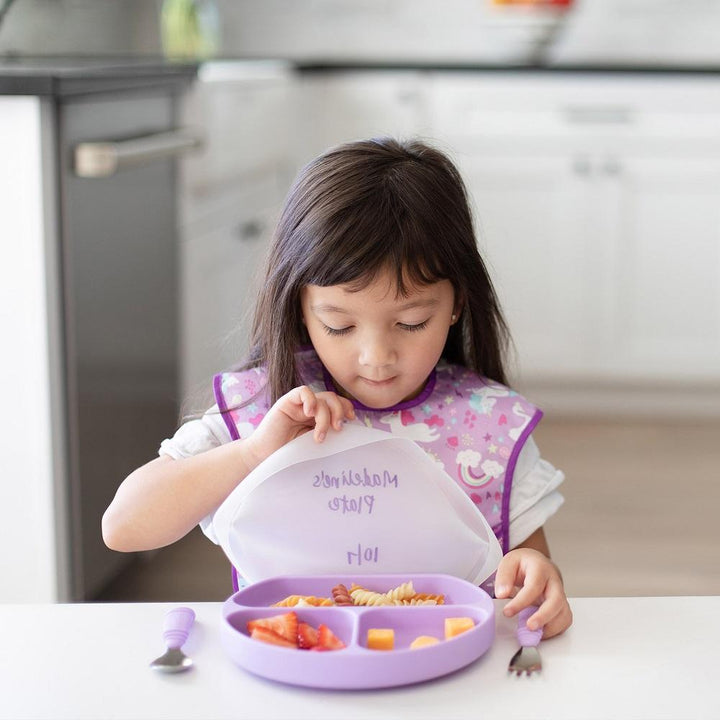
453,318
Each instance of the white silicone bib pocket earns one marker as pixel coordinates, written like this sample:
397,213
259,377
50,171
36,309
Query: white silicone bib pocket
363,501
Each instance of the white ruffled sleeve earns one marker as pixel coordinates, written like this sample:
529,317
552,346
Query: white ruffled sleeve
197,436
534,496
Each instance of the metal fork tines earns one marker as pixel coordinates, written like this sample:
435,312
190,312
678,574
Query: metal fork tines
527,658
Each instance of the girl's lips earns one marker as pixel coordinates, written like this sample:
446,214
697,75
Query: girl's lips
378,383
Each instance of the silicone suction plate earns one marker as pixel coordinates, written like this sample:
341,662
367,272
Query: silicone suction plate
356,666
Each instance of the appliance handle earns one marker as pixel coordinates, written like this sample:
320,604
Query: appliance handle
105,158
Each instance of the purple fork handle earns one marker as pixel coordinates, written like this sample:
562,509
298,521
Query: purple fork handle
525,636
176,628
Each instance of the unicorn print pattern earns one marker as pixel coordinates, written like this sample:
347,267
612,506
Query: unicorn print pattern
403,424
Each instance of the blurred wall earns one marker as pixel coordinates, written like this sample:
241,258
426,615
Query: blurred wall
471,30
594,31
81,27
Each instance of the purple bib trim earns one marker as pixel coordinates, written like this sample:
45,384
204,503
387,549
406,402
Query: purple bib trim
509,475
223,408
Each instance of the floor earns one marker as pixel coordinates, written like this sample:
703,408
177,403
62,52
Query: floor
639,518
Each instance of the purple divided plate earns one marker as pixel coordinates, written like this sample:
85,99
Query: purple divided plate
357,667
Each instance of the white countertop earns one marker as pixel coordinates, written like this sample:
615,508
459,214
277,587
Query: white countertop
622,658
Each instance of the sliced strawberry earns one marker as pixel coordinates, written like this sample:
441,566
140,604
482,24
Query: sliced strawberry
284,625
266,635
327,640
307,636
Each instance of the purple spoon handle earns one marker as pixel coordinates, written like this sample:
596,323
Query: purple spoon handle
525,636
176,627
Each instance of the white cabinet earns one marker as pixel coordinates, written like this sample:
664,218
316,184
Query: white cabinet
245,111
597,203
529,219
662,295
232,192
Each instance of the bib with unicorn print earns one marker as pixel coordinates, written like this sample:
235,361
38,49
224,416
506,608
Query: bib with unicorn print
473,427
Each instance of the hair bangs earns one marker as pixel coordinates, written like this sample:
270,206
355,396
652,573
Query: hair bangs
377,235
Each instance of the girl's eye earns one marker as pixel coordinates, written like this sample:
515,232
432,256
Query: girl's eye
413,328
336,332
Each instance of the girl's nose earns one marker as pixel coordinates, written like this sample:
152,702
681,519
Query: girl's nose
376,352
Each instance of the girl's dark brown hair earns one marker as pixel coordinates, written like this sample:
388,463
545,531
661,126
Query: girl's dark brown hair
357,209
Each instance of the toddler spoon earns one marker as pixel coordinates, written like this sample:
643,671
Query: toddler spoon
176,628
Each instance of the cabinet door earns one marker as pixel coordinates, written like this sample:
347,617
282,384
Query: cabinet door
220,268
534,234
246,118
337,107
664,302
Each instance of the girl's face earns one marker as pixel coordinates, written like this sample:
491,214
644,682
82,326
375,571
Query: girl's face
379,347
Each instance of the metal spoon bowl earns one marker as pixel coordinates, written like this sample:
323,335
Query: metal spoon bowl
176,629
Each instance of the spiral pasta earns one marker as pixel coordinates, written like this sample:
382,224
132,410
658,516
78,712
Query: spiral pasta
361,596
311,600
401,592
438,598
341,595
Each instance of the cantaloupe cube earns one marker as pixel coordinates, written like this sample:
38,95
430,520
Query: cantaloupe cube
381,639
456,625
423,641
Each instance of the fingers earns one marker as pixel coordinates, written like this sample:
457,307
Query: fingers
561,622
538,582
326,409
506,576
340,408
531,593
551,601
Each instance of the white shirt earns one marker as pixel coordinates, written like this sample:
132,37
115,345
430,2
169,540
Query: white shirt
533,499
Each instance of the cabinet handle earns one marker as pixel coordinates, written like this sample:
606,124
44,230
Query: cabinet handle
408,97
102,159
598,114
612,166
582,166
250,230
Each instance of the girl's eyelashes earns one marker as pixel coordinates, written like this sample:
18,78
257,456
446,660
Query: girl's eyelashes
336,331
403,326
413,328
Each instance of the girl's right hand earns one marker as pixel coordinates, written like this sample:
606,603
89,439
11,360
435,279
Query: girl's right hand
295,413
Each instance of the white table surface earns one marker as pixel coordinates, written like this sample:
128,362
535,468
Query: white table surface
649,658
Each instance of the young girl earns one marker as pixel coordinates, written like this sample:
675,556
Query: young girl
376,308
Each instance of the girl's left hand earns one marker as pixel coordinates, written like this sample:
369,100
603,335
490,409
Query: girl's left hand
531,578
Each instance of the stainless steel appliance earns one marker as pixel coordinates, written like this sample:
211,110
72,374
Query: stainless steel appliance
113,138
119,232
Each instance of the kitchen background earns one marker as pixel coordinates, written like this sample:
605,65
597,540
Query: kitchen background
589,137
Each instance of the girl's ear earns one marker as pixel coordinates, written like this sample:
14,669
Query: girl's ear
459,303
